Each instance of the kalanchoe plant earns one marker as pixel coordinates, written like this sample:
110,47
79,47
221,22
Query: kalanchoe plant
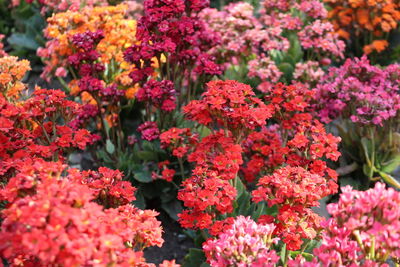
363,101
284,39
224,185
367,26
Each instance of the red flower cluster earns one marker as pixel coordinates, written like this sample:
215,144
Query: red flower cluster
54,222
297,139
293,185
208,192
178,140
206,195
265,151
218,152
166,173
158,94
230,105
109,189
293,150
32,129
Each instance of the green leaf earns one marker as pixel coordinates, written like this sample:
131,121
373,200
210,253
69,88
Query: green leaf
287,70
140,201
392,164
367,147
23,41
390,180
194,258
173,208
295,48
147,155
307,256
110,148
142,176
344,181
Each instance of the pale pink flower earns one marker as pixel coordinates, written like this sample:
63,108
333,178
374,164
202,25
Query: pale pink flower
245,243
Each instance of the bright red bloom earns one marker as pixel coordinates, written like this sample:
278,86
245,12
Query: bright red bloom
231,105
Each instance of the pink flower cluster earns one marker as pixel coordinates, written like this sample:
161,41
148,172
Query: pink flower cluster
364,228
308,72
360,92
259,41
244,243
319,37
63,5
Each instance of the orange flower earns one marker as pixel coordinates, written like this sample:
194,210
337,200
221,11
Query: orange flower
5,78
131,92
377,45
12,71
361,17
87,98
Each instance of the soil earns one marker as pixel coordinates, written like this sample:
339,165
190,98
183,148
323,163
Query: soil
176,243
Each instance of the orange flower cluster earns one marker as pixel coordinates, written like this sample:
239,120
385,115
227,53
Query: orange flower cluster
12,71
119,33
372,18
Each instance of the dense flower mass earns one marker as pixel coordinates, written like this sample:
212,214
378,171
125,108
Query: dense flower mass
355,19
118,32
158,94
361,92
63,5
261,42
244,243
51,220
227,120
229,104
12,71
172,34
364,228
30,129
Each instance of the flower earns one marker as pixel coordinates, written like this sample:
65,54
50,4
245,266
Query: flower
244,243
364,228
229,104
358,91
149,130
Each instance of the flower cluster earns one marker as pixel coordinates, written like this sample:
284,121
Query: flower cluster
231,105
12,71
309,73
32,129
56,223
320,38
355,19
363,230
261,42
149,130
179,141
63,5
172,35
293,151
208,191
158,94
118,31
361,92
244,243
109,188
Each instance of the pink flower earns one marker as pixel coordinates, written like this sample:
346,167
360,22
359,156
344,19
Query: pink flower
245,243
149,130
